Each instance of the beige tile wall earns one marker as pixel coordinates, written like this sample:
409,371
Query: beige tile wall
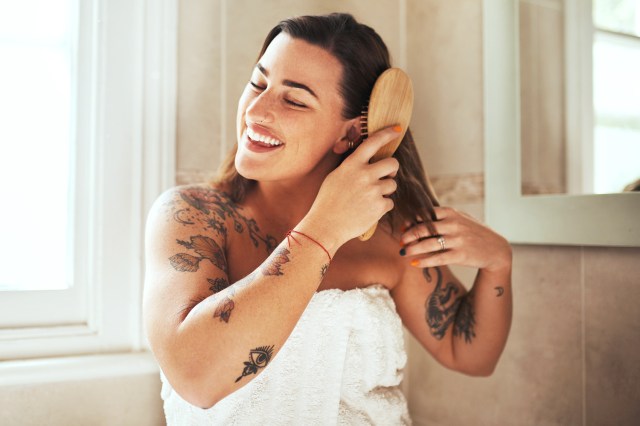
572,355
131,400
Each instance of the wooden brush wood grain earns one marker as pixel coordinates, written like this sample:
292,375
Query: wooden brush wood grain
390,104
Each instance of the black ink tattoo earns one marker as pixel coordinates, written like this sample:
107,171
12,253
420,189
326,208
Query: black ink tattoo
274,266
500,291
441,310
224,308
210,209
218,284
258,358
206,248
465,319
438,315
323,270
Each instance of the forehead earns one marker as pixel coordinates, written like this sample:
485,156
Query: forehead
295,59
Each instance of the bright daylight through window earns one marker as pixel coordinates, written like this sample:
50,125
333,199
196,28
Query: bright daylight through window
616,94
36,106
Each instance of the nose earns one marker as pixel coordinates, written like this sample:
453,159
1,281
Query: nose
260,109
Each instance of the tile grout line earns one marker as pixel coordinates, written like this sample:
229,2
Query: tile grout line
583,338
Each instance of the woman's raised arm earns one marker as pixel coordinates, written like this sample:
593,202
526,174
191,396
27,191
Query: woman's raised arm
209,345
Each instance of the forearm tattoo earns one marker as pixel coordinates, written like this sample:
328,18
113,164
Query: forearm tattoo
273,265
323,270
258,358
445,306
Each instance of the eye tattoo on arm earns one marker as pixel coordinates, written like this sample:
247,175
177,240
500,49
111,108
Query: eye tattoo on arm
258,358
442,308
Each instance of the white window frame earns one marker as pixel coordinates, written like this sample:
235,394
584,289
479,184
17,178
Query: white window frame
126,113
578,32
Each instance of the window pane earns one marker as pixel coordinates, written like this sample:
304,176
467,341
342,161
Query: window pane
616,96
617,15
36,111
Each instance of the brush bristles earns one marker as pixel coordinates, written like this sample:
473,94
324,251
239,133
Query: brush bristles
364,130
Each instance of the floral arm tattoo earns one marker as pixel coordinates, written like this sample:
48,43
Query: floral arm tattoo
209,210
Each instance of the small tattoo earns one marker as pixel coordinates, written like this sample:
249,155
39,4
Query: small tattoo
274,267
258,358
500,291
223,310
465,319
218,284
205,247
323,270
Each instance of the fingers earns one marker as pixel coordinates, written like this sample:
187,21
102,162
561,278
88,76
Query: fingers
385,167
373,143
388,186
430,245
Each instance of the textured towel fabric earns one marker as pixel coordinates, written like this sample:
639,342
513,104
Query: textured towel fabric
342,365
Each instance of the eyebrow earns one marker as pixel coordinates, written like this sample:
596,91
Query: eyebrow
289,83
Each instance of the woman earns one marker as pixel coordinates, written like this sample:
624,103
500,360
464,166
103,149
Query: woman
261,305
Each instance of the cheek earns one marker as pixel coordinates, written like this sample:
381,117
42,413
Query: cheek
243,103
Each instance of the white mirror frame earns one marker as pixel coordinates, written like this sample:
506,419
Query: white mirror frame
601,220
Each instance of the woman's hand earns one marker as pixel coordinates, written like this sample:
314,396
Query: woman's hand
466,242
354,196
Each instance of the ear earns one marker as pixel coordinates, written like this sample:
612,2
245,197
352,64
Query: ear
350,131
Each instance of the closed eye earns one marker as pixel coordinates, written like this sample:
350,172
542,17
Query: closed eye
296,104
255,86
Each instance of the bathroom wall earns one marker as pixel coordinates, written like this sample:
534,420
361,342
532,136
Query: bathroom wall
572,354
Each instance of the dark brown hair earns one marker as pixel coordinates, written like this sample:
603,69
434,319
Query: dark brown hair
363,56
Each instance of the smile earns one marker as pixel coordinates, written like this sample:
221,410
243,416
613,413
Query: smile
257,137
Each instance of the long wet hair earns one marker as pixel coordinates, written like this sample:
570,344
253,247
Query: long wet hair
363,56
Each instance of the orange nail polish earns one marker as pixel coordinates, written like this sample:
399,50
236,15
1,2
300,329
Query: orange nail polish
414,262
397,129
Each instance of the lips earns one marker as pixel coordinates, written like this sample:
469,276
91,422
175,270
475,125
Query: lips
261,140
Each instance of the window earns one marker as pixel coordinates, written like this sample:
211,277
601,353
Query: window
603,95
616,94
89,92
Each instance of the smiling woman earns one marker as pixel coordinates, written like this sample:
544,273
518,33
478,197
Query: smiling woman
261,302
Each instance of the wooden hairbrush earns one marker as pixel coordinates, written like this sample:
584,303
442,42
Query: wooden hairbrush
391,103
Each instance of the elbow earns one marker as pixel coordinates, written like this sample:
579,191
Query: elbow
478,370
196,390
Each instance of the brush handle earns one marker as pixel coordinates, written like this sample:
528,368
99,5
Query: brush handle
391,103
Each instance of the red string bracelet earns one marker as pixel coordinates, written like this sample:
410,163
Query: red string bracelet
305,235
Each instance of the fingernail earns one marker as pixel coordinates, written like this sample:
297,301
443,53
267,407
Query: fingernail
414,262
402,252
397,129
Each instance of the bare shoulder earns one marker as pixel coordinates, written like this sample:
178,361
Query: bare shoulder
201,206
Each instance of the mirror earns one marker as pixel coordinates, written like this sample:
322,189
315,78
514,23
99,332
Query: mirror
603,220
579,98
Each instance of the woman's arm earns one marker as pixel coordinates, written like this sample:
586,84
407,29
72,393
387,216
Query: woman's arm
209,345
465,331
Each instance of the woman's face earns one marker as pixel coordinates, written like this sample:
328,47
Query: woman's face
289,115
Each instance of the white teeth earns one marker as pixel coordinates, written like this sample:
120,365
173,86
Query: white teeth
265,139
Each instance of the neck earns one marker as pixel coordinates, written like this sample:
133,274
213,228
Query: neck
285,203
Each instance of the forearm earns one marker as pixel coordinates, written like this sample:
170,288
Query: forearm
482,323
208,356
